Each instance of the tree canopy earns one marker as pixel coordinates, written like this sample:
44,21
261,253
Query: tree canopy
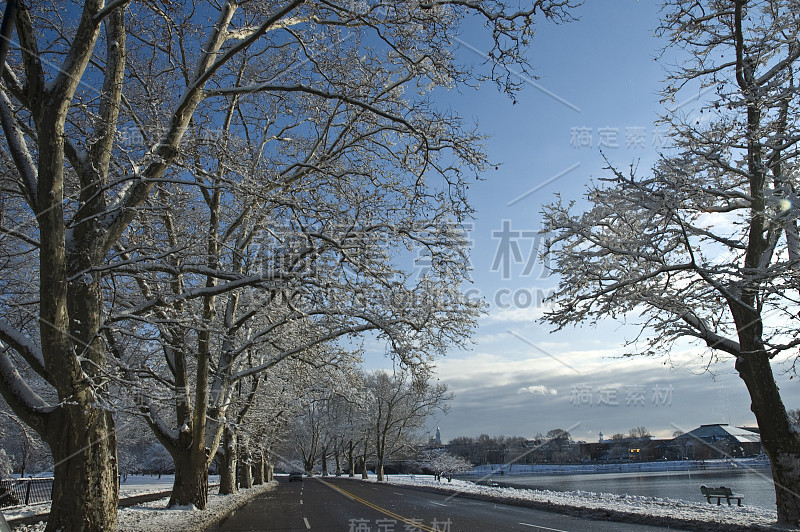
705,246
188,188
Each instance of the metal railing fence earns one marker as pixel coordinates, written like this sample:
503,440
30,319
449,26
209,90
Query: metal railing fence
19,491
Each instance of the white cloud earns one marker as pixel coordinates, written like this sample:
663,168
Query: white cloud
538,390
530,314
496,388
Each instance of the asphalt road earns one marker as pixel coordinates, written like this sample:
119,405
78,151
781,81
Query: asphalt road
350,506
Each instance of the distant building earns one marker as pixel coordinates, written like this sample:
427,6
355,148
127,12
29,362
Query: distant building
622,450
435,441
717,440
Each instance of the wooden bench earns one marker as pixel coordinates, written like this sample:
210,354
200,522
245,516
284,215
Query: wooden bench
720,493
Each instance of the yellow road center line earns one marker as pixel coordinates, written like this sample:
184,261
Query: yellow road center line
384,511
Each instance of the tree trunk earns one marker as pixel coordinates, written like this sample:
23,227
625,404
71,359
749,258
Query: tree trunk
245,475
85,489
380,449
324,461
227,472
245,466
364,474
351,462
380,457
780,442
308,463
191,481
269,469
258,469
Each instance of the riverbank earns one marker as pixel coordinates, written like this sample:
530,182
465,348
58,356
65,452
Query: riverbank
629,467
623,508
754,484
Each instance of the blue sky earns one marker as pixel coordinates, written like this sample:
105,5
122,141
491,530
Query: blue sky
598,87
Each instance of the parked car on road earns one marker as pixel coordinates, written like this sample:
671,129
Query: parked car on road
295,475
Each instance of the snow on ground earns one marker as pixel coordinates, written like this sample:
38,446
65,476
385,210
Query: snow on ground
143,484
133,485
637,508
153,516
16,512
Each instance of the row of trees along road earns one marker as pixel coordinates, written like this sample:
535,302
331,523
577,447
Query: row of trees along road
194,193
370,416
705,246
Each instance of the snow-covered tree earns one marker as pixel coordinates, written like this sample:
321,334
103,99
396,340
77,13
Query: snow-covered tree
98,104
157,460
402,401
706,246
439,461
307,434
6,467
29,453
270,419
263,408
134,439
230,449
315,429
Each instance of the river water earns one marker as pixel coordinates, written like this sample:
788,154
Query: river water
755,484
